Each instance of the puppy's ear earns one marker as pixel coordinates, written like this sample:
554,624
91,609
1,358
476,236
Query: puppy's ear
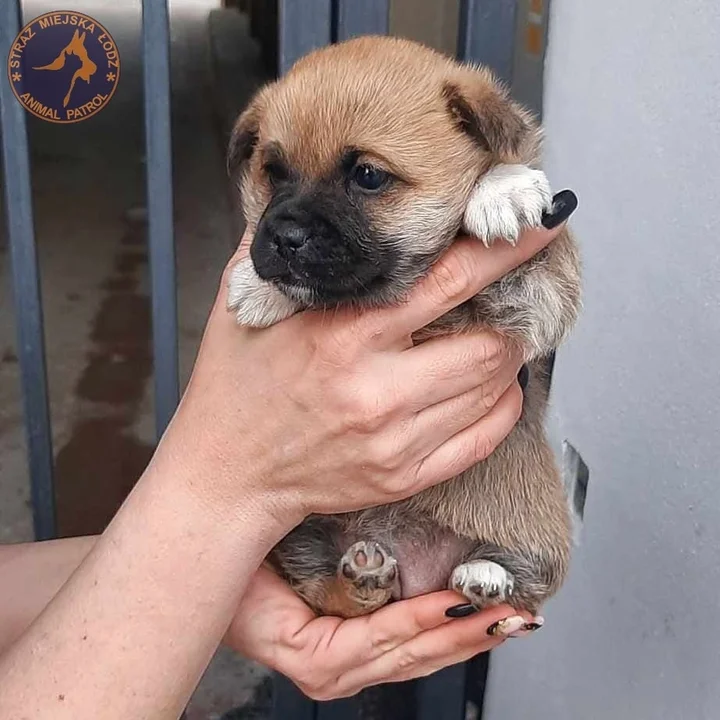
482,108
244,136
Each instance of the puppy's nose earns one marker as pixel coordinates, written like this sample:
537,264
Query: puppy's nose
289,237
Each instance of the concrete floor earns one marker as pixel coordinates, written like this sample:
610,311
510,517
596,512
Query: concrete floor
88,185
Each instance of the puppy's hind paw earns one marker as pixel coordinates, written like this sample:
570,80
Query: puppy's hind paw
483,582
370,574
506,201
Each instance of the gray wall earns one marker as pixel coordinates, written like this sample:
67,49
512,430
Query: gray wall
632,110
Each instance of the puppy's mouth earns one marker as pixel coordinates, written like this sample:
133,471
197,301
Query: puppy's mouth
325,286
316,263
323,294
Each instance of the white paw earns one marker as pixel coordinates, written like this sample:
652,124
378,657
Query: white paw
482,582
506,201
256,302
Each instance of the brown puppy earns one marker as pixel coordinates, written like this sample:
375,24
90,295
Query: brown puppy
357,170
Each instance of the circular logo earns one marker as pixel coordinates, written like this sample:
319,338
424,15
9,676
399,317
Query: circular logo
64,67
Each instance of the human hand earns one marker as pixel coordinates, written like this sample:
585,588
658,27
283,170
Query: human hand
327,657
333,412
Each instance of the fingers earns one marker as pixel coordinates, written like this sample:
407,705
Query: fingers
439,423
329,658
347,649
337,646
269,616
473,444
317,653
445,367
466,268
391,626
429,650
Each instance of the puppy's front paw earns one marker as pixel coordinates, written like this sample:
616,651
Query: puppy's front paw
256,302
483,582
506,201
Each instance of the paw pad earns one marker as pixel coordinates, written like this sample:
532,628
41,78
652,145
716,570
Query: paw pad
368,562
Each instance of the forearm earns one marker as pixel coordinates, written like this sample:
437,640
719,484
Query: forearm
131,632
30,576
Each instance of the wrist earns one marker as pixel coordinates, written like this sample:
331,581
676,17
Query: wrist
239,500
151,600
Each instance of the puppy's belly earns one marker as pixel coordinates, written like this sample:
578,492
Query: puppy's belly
425,566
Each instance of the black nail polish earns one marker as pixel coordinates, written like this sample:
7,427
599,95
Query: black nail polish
523,377
564,205
460,611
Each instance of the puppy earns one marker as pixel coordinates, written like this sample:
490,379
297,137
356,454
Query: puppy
357,170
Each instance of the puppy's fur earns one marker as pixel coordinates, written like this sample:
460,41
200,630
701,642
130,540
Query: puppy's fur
457,154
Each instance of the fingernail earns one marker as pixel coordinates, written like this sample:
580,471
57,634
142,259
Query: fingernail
523,377
564,205
506,626
528,628
460,611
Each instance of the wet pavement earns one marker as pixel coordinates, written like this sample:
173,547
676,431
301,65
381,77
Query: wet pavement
89,194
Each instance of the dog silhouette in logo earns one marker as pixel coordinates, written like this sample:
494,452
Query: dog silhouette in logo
86,70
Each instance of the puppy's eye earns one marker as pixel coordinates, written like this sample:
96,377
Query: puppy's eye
276,172
370,178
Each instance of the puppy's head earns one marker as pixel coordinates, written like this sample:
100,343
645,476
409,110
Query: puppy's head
356,167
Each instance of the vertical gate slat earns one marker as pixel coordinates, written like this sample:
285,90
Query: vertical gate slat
159,193
487,34
302,26
300,30
370,17
158,149
26,287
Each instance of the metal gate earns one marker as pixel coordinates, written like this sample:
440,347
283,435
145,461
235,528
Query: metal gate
487,33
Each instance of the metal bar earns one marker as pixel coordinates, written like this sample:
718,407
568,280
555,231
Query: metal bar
442,696
302,29
289,703
159,191
369,17
156,70
486,34
26,287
